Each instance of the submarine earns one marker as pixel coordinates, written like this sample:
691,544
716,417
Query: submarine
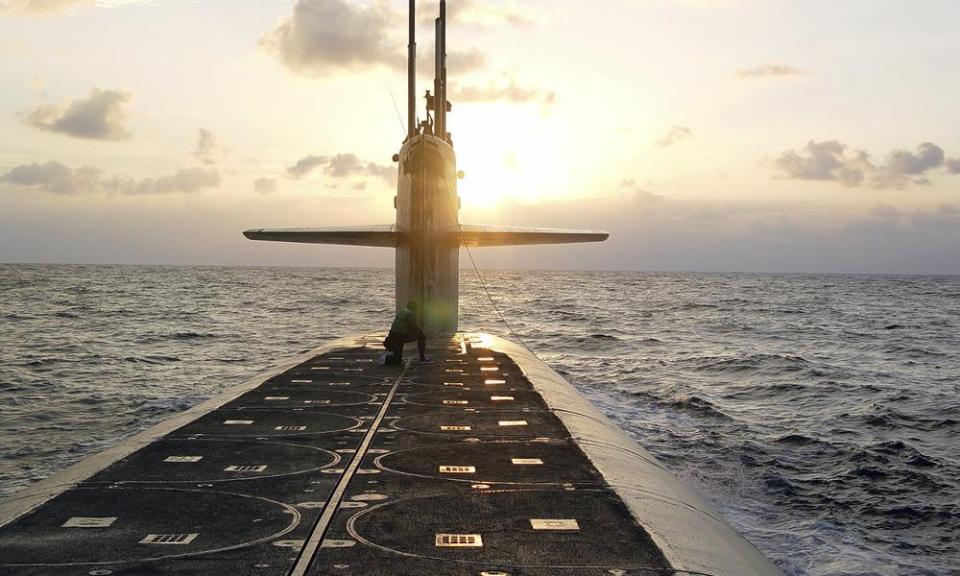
485,462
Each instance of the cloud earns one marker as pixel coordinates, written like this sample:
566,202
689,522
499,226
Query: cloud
904,167
768,71
675,135
264,185
826,161
833,161
186,180
325,36
340,166
100,116
53,177
209,148
472,12
509,92
953,165
58,178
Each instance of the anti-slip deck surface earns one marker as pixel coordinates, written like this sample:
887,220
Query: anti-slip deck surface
341,466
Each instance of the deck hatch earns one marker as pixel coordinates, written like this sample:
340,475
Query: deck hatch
459,541
245,468
89,522
169,539
183,459
554,524
458,470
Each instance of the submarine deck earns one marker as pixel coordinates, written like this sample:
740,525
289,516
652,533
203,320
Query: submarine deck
340,466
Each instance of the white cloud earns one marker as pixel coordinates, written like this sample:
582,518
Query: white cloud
341,166
508,91
833,161
58,178
675,135
102,115
324,36
209,149
768,71
264,185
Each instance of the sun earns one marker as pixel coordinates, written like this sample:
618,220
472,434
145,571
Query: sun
510,153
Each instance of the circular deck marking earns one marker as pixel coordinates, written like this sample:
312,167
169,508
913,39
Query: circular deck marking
259,399
452,397
149,465
485,424
221,520
494,462
265,423
502,519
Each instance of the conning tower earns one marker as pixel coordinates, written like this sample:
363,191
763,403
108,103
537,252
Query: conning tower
427,234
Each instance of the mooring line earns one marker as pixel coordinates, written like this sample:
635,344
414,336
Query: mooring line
313,543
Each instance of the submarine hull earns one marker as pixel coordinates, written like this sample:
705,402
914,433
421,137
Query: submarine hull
484,463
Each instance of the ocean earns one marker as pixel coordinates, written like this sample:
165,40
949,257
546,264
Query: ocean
819,413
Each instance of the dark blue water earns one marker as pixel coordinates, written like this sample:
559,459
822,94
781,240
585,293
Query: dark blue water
820,414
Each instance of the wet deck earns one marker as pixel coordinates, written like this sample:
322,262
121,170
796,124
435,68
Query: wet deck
340,466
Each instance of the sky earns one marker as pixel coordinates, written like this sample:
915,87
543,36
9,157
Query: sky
704,135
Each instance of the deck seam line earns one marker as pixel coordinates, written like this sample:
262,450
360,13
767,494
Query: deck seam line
310,547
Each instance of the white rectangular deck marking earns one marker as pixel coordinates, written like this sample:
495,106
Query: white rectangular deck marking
458,470
183,459
485,359
456,402
238,422
244,468
558,524
513,423
89,522
291,428
489,369
501,398
455,428
301,381
454,371
459,541
320,368
494,381
453,384
316,401
169,539
527,461
276,398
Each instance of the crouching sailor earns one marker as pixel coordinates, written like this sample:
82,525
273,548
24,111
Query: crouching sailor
405,329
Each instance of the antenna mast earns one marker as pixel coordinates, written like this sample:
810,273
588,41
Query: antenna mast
440,74
412,73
